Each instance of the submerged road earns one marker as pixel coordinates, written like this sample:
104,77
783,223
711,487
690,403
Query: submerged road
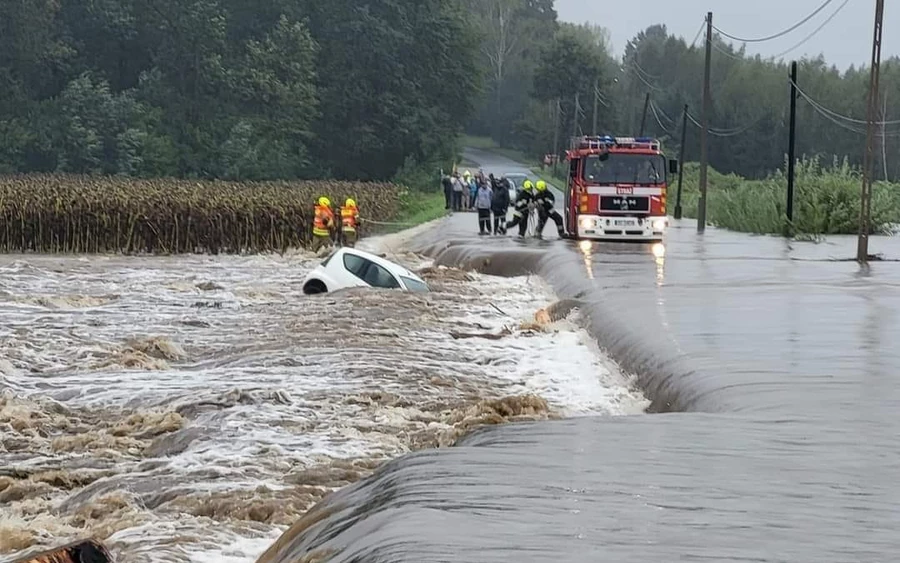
774,366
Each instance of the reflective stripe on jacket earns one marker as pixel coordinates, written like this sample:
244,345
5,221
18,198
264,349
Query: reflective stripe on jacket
323,221
349,218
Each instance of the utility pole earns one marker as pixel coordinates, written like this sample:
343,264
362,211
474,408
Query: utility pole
865,207
575,117
704,129
596,103
884,137
644,117
556,138
684,119
791,146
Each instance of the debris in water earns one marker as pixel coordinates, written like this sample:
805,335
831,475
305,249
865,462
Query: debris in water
89,551
209,286
158,347
487,335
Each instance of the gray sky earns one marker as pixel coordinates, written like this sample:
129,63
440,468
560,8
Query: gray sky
846,40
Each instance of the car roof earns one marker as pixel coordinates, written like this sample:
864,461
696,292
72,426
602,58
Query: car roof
392,267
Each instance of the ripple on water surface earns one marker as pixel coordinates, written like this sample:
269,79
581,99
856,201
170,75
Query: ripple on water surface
189,409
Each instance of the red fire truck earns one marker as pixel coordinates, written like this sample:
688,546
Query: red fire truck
617,189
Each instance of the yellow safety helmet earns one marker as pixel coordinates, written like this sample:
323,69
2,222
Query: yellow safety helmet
350,202
541,185
527,186
324,201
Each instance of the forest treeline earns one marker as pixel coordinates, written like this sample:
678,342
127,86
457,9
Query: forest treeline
545,61
356,89
236,89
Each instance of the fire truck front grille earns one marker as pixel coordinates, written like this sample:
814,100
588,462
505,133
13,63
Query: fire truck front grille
624,203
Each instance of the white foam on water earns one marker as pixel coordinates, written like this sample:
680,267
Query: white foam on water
273,382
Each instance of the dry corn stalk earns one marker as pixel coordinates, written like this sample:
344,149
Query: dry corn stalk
89,214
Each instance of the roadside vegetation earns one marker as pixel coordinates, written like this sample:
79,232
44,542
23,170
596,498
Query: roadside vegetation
826,200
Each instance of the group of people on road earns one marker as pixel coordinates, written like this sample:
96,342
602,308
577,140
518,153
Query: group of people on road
327,231
490,196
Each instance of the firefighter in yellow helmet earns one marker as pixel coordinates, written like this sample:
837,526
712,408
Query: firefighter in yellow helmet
349,223
323,224
546,203
522,208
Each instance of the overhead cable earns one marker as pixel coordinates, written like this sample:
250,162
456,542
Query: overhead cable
837,115
779,34
814,33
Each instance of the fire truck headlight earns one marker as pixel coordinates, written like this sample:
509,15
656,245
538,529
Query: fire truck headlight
660,224
585,222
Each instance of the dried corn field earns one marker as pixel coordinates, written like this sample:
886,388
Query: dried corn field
81,214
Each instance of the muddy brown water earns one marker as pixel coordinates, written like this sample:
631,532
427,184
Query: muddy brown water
191,408
773,435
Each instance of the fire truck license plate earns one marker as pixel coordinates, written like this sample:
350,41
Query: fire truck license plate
624,222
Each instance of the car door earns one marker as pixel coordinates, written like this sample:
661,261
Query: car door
354,270
376,276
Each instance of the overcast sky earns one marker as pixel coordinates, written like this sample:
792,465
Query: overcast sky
846,40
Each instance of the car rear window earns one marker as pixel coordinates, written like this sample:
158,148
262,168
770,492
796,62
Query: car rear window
414,285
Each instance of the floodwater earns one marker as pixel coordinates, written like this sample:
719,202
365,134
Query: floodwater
773,373
191,408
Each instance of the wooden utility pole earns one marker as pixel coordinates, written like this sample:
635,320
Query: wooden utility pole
791,145
556,137
596,104
884,137
865,207
704,129
684,118
644,116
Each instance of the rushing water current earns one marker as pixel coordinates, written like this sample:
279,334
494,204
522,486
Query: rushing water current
190,408
772,365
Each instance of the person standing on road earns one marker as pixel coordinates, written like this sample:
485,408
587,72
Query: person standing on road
546,204
500,206
447,184
457,192
524,200
483,201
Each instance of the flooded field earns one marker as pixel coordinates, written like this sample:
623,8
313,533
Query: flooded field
191,408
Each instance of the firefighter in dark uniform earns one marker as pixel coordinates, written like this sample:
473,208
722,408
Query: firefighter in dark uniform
546,203
522,208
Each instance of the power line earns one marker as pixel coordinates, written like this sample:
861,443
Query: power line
814,33
837,115
699,32
779,34
665,129
725,132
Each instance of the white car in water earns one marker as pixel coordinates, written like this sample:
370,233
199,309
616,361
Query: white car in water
348,267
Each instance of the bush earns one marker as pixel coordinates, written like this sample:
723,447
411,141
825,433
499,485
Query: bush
826,200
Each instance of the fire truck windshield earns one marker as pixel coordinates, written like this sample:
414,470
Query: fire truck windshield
620,168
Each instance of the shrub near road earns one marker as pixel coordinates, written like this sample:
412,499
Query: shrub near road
826,200
57,213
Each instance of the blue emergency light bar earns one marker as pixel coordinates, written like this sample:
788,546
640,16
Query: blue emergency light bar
605,141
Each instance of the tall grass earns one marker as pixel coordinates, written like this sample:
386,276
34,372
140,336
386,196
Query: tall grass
826,200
